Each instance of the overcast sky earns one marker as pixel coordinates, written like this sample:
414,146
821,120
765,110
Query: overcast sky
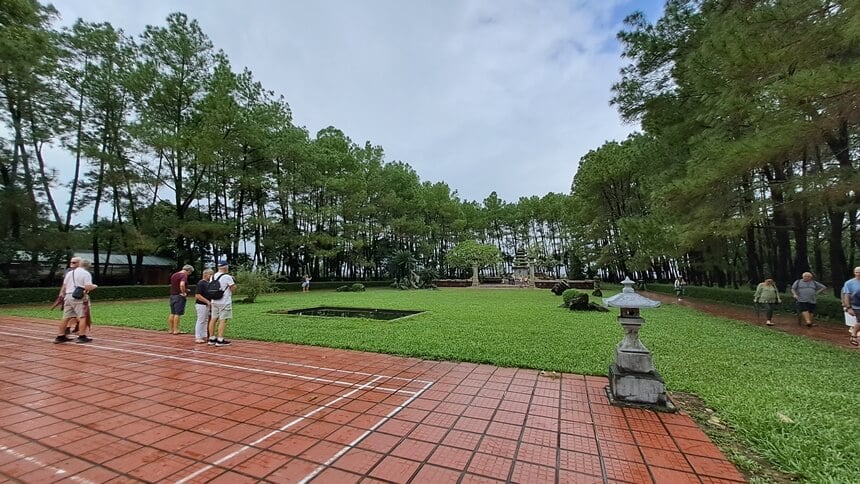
485,95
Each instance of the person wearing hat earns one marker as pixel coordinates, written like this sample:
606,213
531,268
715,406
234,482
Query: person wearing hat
222,308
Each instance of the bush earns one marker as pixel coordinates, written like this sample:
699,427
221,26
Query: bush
357,287
568,295
252,283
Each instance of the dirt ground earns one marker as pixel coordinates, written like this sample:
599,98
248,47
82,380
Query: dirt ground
833,332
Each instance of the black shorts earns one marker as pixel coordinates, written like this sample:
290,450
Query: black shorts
177,305
806,307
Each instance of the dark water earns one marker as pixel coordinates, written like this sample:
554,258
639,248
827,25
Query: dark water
331,312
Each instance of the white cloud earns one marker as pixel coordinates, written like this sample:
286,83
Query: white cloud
485,95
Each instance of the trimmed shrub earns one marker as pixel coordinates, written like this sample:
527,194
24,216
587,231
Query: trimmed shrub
568,295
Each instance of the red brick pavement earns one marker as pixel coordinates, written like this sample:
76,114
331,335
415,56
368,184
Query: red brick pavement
145,406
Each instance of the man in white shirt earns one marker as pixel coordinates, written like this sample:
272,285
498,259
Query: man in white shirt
222,309
75,307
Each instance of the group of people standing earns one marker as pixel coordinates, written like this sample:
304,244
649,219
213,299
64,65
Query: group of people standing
213,303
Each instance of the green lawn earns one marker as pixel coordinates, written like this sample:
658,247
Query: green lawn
753,377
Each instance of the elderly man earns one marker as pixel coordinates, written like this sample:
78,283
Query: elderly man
76,288
178,293
222,308
805,292
851,304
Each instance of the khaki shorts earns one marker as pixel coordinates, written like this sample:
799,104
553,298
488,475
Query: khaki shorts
73,308
222,311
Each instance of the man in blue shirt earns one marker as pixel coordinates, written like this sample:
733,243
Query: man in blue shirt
851,304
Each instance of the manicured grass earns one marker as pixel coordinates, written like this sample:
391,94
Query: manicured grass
791,399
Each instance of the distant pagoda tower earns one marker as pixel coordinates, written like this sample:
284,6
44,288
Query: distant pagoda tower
524,275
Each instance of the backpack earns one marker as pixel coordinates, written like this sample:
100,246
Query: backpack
214,290
855,299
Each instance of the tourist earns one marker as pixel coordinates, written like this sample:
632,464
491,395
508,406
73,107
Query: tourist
202,307
767,294
306,283
76,287
178,293
680,286
222,308
851,304
805,292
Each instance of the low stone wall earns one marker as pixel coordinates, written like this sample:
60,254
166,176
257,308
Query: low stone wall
545,283
453,282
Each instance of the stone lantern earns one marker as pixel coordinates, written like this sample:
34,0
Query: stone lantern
633,380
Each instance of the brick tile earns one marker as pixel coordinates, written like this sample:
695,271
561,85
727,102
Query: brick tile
666,458
617,450
580,462
382,443
514,418
537,454
336,476
525,473
614,434
540,437
165,466
697,447
321,452
657,441
451,457
433,474
345,435
429,433
463,440
396,427
395,469
127,462
715,468
626,471
686,432
678,418
578,443
671,476
440,420
501,429
647,425
476,479
498,446
359,461
290,471
570,477
578,428
545,423
471,424
414,450
490,466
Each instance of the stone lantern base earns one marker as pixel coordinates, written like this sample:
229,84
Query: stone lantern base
638,389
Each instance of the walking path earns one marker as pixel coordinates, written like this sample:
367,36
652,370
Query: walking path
144,406
833,332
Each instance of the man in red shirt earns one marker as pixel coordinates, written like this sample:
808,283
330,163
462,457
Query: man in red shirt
178,292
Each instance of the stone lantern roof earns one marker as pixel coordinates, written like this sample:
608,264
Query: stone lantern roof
628,298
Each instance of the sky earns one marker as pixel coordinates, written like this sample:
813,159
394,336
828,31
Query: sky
484,95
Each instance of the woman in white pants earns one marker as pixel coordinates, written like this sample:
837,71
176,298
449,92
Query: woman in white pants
203,306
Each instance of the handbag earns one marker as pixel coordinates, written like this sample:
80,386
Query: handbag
78,293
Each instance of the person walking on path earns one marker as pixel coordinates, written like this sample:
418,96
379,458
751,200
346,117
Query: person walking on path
203,308
178,293
76,286
805,291
766,293
851,305
680,285
222,308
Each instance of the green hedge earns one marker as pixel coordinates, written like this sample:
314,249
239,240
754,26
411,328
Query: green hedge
827,307
30,295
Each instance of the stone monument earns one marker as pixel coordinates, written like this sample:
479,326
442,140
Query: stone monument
523,270
633,380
